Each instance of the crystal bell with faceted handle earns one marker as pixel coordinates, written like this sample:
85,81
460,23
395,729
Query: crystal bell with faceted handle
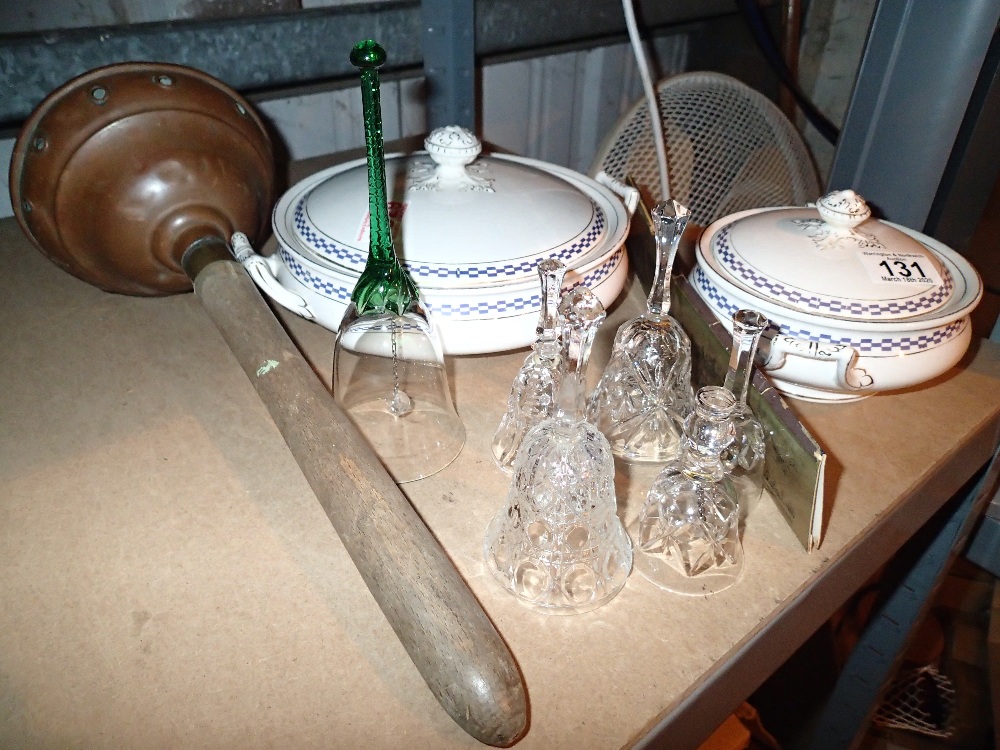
687,536
558,544
388,365
533,394
745,457
645,391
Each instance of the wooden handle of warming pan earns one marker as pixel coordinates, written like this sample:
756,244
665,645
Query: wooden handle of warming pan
448,636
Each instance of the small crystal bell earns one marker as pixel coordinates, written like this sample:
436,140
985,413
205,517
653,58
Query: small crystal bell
645,391
745,456
687,534
558,544
388,364
533,394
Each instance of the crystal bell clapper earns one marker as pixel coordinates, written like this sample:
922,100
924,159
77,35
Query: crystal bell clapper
388,368
533,394
645,391
687,536
558,544
745,457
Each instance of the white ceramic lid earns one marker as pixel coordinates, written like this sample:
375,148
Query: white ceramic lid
459,221
831,260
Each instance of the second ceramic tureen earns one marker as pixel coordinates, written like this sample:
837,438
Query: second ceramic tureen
470,230
857,305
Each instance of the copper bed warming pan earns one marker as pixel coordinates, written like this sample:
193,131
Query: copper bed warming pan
133,177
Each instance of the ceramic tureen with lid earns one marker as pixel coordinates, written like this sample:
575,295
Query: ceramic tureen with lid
856,305
471,230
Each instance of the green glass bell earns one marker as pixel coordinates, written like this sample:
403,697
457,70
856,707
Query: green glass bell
388,369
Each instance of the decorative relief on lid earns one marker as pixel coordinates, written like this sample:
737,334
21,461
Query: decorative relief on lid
840,212
453,151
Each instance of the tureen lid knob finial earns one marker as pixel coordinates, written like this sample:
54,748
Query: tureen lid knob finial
843,208
453,145
453,150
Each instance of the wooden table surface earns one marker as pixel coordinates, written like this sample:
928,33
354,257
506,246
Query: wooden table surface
169,580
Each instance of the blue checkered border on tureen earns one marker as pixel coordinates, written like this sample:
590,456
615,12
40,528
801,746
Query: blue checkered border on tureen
865,345
334,291
351,257
771,288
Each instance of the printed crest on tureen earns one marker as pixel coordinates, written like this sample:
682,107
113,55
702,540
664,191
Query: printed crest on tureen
825,236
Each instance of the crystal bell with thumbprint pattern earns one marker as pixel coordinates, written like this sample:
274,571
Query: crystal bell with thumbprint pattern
558,544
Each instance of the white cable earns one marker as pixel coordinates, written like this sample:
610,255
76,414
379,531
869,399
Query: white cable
647,87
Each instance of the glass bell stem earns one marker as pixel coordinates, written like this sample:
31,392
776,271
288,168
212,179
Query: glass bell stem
670,219
534,391
551,273
708,432
748,325
582,314
369,58
384,284
746,460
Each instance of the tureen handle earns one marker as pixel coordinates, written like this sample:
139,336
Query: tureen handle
263,275
792,356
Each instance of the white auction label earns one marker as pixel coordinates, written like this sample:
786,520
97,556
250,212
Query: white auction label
899,268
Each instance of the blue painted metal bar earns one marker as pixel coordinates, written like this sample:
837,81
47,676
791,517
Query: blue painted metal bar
450,62
917,74
984,547
249,54
268,52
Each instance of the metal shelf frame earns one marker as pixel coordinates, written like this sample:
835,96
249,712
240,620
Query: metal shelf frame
272,52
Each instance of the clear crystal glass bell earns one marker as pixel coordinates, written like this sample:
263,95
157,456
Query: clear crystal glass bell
745,457
388,368
533,394
645,391
687,536
558,544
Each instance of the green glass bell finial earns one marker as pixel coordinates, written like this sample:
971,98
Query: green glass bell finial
384,285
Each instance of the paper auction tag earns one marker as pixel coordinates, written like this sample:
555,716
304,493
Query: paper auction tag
899,268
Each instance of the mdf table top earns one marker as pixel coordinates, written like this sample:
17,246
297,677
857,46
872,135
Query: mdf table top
169,579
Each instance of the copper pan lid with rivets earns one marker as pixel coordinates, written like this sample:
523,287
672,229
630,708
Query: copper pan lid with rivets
118,171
